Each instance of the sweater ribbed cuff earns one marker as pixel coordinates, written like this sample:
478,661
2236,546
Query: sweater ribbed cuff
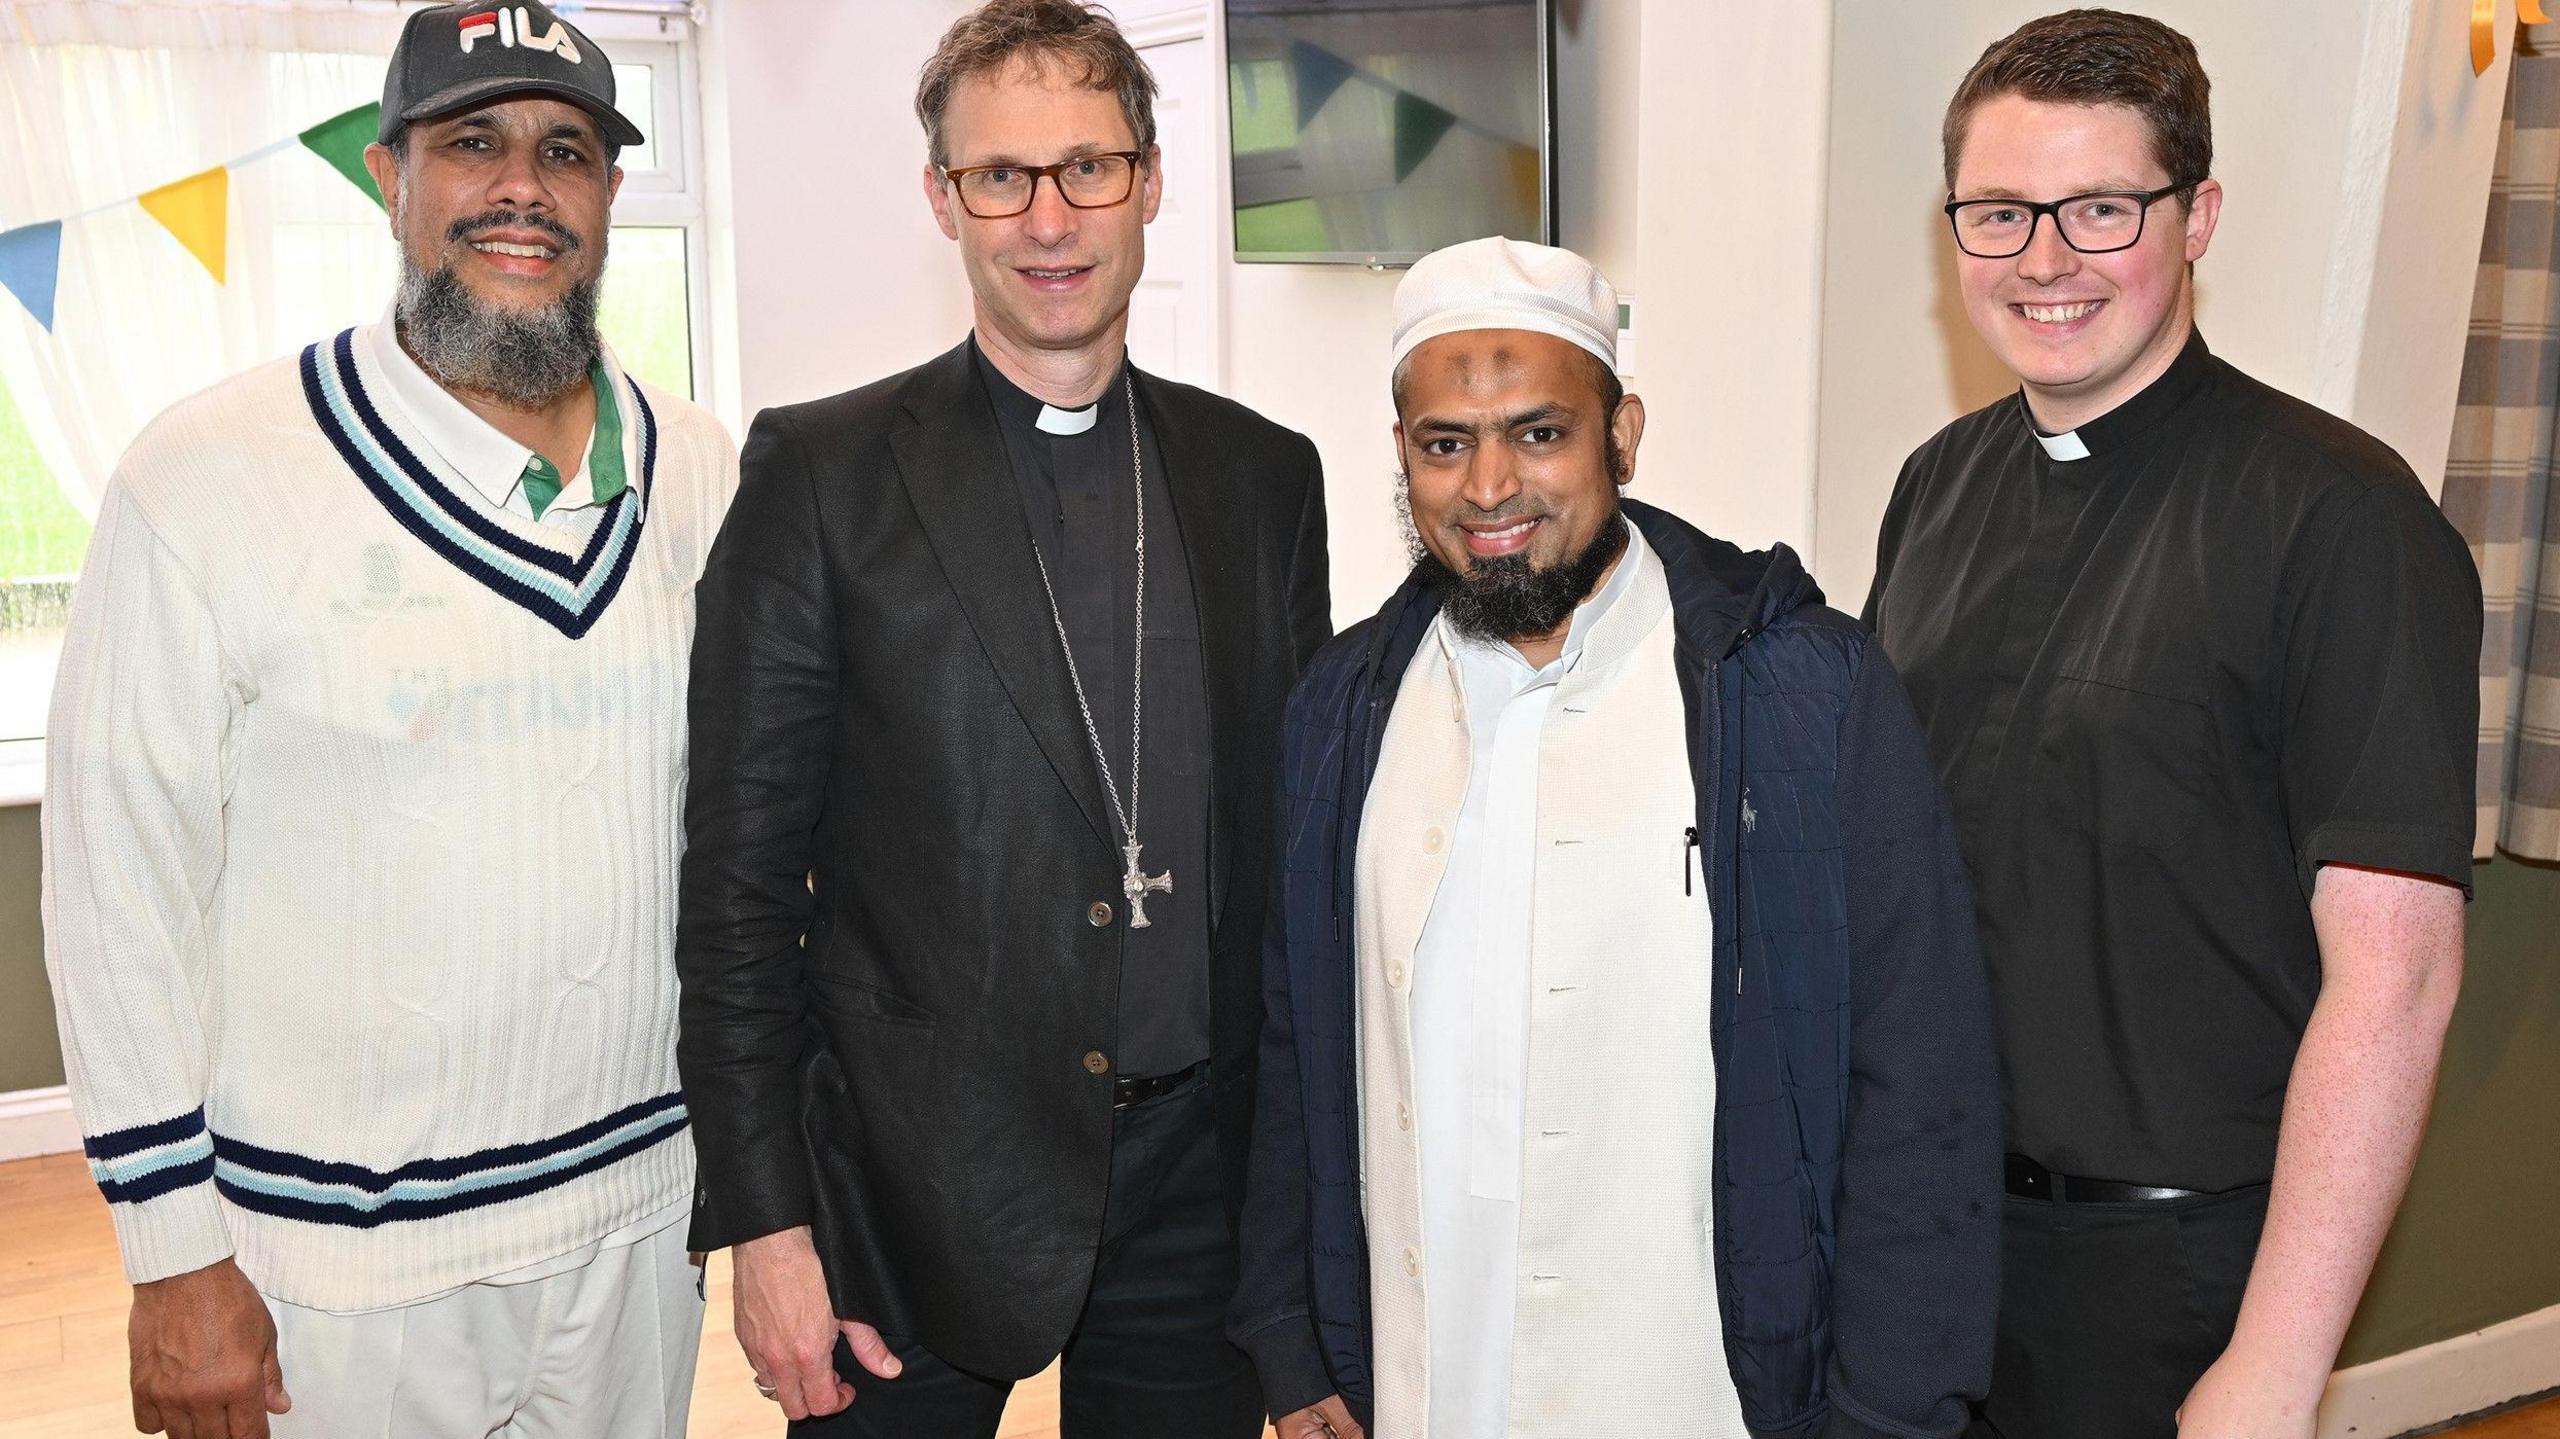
171,1233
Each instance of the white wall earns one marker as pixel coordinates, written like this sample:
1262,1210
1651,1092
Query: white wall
840,276
2341,271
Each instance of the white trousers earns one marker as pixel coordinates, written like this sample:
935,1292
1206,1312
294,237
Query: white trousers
603,1351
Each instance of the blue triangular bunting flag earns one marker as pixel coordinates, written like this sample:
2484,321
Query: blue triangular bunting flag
30,263
1318,73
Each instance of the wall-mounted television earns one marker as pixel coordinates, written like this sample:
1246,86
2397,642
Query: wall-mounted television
1376,131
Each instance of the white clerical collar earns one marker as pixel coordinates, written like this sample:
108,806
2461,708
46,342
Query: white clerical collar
2065,446
1055,421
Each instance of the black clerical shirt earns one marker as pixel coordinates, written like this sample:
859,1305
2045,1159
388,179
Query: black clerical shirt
1079,500
2163,685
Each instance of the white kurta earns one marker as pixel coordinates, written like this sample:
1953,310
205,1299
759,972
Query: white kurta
1538,1091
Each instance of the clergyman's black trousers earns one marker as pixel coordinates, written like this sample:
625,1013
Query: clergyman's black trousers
1149,1358
2110,1313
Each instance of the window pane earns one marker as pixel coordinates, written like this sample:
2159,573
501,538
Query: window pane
646,313
41,541
635,93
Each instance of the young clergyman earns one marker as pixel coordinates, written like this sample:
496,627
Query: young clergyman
2196,662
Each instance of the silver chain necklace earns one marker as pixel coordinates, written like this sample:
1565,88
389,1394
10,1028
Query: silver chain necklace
1135,884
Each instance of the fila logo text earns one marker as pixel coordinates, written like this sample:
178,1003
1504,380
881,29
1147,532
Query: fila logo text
514,27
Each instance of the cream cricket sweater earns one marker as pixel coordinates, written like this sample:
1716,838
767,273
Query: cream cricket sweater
361,822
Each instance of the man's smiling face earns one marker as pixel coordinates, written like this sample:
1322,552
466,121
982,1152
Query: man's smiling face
1054,277
2083,333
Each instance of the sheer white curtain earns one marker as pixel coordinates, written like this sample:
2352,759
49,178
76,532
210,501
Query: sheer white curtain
101,100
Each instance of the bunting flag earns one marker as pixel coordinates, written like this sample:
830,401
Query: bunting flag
197,210
1528,179
341,140
30,262
1316,73
1419,128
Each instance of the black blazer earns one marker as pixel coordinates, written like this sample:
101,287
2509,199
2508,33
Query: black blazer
895,830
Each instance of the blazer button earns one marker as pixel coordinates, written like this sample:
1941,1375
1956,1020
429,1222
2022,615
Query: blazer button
1097,914
1095,1062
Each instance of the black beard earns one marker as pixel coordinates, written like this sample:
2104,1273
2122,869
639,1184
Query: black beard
1505,599
524,360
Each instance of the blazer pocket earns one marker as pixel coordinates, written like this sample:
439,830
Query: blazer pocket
2127,763
843,996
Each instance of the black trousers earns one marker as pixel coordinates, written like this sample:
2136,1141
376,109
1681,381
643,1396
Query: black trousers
1149,1357
2110,1313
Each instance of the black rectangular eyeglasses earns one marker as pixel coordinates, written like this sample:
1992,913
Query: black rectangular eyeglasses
2097,223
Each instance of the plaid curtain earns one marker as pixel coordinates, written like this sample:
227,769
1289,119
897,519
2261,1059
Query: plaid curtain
2498,479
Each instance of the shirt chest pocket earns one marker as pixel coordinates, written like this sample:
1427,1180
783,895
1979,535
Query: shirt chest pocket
2125,761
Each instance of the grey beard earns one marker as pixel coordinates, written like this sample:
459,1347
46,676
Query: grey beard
523,360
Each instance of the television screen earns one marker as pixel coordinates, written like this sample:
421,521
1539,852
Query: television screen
1377,131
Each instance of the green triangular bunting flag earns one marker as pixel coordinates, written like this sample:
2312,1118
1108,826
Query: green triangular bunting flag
1419,126
341,139
1318,73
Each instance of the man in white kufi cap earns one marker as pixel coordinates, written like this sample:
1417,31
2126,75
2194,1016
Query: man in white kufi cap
1627,1067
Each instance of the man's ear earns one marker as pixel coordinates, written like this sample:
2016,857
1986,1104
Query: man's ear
1153,195
1627,426
384,167
938,195
2202,217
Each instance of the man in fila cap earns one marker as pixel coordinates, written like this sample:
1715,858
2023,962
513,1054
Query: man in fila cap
362,819
1627,1057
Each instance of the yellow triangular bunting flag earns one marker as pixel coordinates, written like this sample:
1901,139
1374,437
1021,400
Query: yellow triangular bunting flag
197,210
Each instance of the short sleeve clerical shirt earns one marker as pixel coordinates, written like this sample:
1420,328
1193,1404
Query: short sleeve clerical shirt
2169,666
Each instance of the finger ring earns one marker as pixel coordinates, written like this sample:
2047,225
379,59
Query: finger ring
763,1387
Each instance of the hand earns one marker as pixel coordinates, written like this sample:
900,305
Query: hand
788,1327
204,1356
1326,1419
2237,1399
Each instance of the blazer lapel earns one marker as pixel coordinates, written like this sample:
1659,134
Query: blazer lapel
961,485
1218,539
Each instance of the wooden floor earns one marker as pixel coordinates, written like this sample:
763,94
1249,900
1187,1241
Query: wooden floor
62,1307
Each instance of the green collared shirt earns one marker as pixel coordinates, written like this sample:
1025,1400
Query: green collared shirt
606,477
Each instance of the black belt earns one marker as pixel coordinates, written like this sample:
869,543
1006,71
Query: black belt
2030,1180
1130,1090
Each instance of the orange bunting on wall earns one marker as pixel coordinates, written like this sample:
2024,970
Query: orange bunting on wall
197,210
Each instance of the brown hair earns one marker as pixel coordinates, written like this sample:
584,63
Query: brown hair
1080,37
2099,57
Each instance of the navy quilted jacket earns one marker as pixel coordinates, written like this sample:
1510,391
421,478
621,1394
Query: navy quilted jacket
1857,1145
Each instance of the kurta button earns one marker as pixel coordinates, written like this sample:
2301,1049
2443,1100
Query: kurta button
1395,974
1413,1261
1432,839
1097,914
1095,1062
1404,1115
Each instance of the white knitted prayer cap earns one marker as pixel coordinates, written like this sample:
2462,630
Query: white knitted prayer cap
1501,284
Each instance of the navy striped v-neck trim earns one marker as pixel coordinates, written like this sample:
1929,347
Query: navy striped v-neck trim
570,594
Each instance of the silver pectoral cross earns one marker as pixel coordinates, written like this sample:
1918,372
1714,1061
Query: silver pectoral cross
1137,884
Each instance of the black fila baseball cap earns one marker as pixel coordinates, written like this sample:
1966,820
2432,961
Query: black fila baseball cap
454,56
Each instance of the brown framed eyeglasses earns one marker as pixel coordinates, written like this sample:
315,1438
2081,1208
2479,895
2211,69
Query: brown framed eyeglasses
1087,182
